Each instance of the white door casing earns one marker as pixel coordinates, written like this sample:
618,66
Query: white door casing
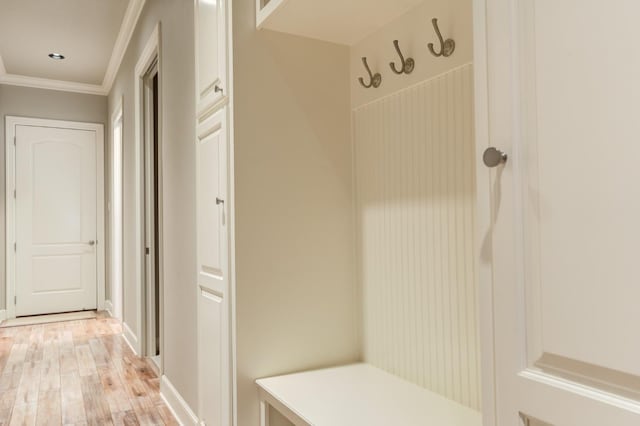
136,335
556,89
115,213
214,347
55,255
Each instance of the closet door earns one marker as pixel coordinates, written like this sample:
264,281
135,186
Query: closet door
211,54
213,272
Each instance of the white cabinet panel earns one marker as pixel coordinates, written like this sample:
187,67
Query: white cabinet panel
213,266
211,53
566,204
210,339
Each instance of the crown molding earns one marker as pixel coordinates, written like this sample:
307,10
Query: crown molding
131,16
129,21
45,83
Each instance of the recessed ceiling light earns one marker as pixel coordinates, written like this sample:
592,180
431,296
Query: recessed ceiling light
56,56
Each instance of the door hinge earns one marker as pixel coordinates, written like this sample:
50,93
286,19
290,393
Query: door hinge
15,300
14,193
15,246
14,141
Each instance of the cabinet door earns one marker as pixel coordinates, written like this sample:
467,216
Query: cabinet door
214,342
211,53
559,219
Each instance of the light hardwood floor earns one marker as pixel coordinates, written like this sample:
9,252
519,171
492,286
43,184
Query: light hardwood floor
76,372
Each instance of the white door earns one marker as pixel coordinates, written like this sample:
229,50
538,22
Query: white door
214,345
55,215
559,93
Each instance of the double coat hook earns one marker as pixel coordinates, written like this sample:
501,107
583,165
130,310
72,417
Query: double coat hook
374,79
406,65
446,46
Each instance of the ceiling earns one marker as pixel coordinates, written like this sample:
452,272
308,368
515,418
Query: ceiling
91,34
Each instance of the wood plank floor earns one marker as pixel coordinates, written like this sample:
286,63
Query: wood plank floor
76,373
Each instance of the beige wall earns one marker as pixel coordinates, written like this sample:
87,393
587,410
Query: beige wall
40,103
178,136
297,306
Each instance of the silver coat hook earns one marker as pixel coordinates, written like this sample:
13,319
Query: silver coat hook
446,46
406,65
374,79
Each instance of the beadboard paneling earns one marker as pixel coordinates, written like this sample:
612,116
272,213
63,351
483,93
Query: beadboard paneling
416,237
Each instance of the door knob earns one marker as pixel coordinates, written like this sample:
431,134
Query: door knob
493,157
92,243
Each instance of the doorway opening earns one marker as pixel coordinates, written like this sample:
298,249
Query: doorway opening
116,293
151,133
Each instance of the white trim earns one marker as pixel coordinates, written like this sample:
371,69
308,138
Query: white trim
45,83
10,132
116,115
231,213
176,403
131,16
130,338
108,306
129,22
483,214
3,315
149,54
266,11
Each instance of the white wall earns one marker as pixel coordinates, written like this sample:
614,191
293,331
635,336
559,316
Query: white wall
416,205
178,152
296,302
40,103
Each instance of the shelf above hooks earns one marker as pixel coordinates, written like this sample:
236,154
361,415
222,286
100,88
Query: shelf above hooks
446,46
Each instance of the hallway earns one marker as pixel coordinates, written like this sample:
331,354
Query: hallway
76,372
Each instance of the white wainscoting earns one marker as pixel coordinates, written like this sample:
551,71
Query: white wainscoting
415,173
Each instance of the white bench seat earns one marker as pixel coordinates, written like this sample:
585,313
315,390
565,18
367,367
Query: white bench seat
358,394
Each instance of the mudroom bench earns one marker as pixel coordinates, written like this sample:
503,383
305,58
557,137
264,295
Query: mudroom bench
358,394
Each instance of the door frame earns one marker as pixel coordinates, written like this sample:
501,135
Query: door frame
10,220
151,154
484,214
150,54
116,307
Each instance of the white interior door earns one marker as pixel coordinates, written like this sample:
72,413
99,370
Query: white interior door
214,344
55,220
561,242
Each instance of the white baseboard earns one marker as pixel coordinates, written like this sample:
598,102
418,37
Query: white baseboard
3,315
131,339
178,406
108,306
